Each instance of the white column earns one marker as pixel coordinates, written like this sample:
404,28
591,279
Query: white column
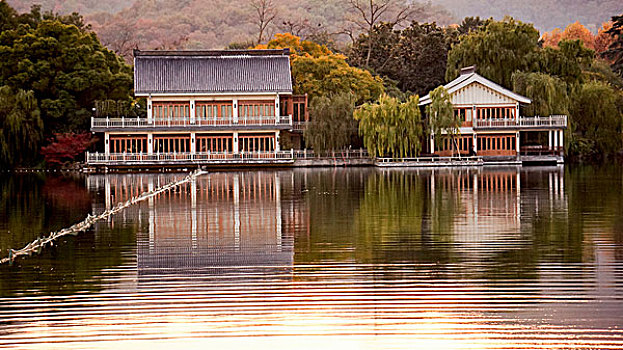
235,113
107,193
192,111
150,112
555,138
106,143
432,143
192,142
237,211
561,138
152,215
278,210
150,143
277,148
517,113
551,141
517,148
235,143
475,143
193,208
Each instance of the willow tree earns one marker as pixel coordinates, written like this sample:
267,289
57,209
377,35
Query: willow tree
332,125
596,115
548,93
498,49
442,120
21,128
391,127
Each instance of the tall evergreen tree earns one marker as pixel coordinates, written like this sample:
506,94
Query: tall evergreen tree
615,51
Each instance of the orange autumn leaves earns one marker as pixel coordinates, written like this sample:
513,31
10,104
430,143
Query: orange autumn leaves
576,31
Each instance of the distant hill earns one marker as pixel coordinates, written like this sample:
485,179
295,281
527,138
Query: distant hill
545,14
191,24
161,24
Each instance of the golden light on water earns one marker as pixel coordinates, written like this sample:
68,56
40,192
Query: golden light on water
351,259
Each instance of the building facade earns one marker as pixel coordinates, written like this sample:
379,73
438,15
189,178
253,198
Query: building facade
493,127
205,107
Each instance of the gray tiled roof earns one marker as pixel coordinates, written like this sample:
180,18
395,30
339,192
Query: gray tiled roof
212,71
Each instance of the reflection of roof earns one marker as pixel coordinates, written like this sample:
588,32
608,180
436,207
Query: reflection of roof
230,71
468,78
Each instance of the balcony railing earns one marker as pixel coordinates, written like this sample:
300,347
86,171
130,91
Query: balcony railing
552,121
339,154
186,158
123,123
299,126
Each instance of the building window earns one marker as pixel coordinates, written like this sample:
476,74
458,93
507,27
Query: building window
171,113
214,113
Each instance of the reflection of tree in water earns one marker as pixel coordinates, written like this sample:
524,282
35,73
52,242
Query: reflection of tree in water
32,205
593,210
331,197
76,264
402,219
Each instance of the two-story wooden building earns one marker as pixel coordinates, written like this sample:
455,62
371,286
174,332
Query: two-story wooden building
204,107
493,127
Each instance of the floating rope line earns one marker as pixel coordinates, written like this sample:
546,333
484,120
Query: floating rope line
38,244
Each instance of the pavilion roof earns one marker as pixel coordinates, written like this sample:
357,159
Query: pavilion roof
206,72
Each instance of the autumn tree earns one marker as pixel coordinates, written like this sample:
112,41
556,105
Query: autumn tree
332,126
576,31
317,71
603,39
66,147
551,39
389,127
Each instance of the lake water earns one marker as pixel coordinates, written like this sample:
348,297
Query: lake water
362,258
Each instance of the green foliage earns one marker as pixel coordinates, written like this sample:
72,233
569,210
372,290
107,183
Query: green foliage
548,93
566,62
391,127
21,126
121,108
600,71
441,118
332,125
498,50
615,51
415,57
596,118
471,24
65,66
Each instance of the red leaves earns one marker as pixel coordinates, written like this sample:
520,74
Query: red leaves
66,147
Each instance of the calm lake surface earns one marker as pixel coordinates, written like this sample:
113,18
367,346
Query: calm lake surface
340,258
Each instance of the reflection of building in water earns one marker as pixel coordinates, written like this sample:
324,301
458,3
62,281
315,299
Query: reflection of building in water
489,203
229,219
